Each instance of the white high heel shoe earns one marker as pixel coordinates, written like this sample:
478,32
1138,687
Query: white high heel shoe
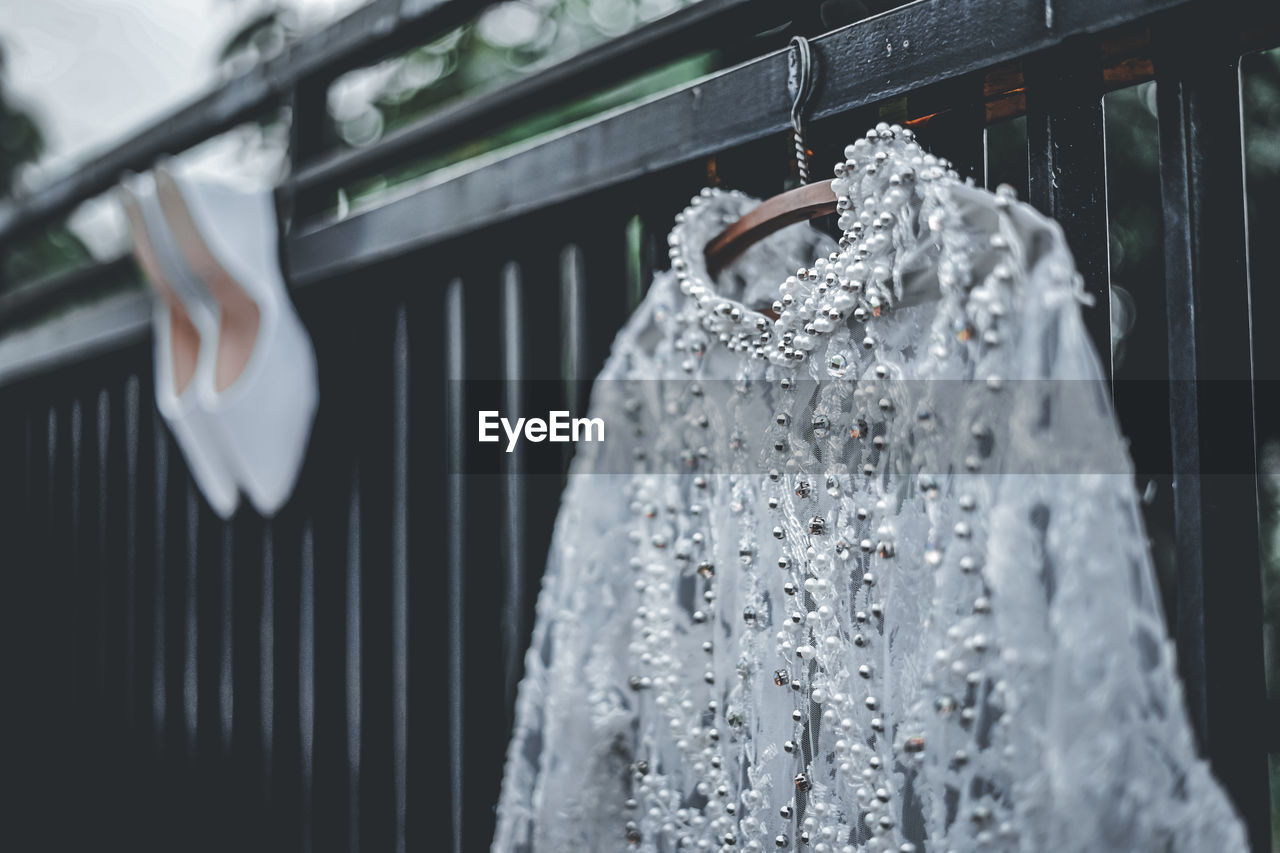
263,394
179,372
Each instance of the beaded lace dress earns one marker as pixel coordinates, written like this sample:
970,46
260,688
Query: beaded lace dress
858,569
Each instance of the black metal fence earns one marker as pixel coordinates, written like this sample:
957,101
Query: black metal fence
341,676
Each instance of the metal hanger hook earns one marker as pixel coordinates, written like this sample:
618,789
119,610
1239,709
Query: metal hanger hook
800,86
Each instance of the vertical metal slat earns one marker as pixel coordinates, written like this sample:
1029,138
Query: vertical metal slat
1219,617
159,685
76,568
455,401
573,294
266,658
307,680
1067,172
226,666
132,589
191,630
514,496
959,133
104,592
400,578
353,662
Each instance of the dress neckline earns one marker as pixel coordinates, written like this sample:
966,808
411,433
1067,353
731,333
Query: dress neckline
881,188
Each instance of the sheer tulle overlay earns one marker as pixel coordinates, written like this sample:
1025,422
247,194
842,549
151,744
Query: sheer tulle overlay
861,569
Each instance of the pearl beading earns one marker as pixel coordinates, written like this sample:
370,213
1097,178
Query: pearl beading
894,181
874,187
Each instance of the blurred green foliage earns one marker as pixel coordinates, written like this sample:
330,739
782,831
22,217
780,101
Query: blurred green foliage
503,42
22,143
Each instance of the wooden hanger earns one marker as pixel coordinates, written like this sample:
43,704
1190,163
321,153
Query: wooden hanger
806,202
801,204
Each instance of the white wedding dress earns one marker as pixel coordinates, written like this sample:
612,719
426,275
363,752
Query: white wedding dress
869,576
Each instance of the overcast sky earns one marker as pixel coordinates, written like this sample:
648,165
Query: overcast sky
93,70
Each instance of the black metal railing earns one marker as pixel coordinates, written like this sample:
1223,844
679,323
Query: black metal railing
341,676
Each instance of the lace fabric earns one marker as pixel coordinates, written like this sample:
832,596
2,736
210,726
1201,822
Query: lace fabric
867,575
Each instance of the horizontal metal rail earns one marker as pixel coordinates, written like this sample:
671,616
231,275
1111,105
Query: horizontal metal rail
710,22
366,35
32,299
79,334
906,49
